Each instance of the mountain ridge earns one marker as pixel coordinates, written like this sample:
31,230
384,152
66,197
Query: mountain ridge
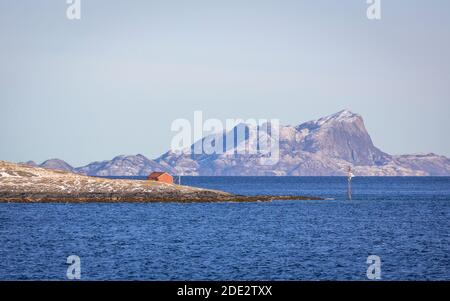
323,147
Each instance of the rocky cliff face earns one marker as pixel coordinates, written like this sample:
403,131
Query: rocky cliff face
341,136
322,147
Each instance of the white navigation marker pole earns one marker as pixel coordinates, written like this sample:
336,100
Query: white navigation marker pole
179,177
349,189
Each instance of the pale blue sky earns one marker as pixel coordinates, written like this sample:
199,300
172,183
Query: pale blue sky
113,82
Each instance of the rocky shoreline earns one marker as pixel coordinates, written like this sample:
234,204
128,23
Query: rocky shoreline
142,198
25,184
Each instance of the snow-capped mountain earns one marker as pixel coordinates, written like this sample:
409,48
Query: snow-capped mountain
137,165
322,147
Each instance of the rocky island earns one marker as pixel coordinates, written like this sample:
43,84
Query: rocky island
28,184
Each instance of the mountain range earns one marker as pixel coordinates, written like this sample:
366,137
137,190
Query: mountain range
322,147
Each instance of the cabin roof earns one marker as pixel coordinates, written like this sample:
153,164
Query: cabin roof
157,174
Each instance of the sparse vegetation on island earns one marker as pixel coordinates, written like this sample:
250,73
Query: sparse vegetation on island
27,184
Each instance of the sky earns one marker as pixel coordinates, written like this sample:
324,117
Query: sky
114,81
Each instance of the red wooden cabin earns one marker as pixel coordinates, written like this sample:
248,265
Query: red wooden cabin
160,177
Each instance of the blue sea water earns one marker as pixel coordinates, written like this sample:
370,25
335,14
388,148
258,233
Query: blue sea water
404,221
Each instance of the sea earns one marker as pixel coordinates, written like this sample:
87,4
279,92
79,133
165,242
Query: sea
403,221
